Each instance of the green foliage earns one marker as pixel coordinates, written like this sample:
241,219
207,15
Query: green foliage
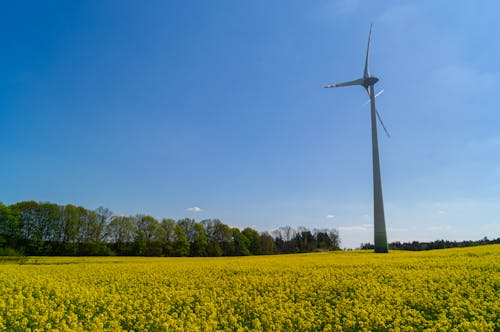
9,252
253,240
199,244
438,244
240,242
50,229
181,244
10,231
267,245
70,223
12,255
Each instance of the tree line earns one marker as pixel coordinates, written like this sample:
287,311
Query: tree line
438,244
35,228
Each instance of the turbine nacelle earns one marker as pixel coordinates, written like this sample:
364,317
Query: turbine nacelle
370,81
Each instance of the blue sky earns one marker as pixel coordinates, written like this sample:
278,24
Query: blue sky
163,106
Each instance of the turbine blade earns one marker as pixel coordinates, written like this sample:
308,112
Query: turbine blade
368,92
382,123
359,81
366,72
378,94
376,112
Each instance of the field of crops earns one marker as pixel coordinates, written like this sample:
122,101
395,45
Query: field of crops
442,290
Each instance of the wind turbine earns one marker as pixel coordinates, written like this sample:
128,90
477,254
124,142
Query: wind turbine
367,82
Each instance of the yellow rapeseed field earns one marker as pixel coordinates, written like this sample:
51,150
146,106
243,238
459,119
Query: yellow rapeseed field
442,290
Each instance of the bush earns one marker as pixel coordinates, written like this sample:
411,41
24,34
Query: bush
9,254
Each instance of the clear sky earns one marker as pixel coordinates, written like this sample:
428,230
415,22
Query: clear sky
216,109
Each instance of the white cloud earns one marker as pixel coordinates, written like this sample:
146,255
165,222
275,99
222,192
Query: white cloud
438,228
413,220
194,209
355,228
330,216
397,229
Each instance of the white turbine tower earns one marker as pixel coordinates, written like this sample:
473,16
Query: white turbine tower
368,81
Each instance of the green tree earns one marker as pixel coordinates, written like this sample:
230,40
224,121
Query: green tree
149,235
334,236
219,237
240,243
71,223
98,225
199,244
181,245
267,245
120,232
50,221
148,226
121,229
168,236
304,240
188,225
254,240
40,224
86,225
10,231
196,236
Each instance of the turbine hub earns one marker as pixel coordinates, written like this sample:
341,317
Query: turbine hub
370,81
